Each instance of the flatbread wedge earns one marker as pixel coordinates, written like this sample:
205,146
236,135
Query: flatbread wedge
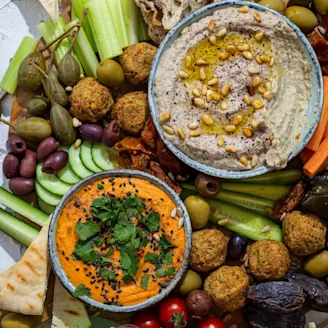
25,290
5,275
68,312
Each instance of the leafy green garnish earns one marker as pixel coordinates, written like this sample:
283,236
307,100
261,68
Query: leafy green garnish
107,274
126,261
144,281
151,221
153,258
87,229
100,186
167,259
163,273
81,290
85,252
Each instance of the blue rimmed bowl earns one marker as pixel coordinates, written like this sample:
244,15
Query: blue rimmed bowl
59,271
313,111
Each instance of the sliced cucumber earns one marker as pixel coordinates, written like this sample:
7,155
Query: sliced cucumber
48,197
285,177
67,175
243,221
51,183
86,157
272,192
260,205
76,163
44,207
102,157
21,207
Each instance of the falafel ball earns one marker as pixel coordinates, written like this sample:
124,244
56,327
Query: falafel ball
131,112
209,250
136,62
228,286
90,101
304,234
268,260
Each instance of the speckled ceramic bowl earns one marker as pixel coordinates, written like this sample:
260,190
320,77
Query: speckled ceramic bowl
53,251
313,111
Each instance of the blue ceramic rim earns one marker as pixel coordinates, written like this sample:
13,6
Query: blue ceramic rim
174,33
60,273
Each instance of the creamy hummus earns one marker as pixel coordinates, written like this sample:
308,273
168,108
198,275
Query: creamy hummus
245,71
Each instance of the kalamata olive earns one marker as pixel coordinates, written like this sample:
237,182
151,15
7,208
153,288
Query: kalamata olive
55,162
198,210
237,246
28,164
10,166
46,148
92,132
199,302
21,186
111,134
190,282
206,185
16,145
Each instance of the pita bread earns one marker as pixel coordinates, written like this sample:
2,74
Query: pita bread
67,311
25,290
5,275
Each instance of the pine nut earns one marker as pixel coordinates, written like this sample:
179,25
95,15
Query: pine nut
230,128
211,25
258,104
185,30
224,105
247,99
231,49
222,33
204,90
167,129
224,55
69,89
164,117
77,143
188,61
81,76
237,120
194,133
248,55
76,122
253,70
257,17
173,212
261,90
183,75
199,102
225,89
213,81
255,124
202,73
212,40
268,95
181,134
244,9
268,85
193,126
156,237
216,96
196,92
223,222
207,119
248,132
209,96
255,160
220,141
265,58
272,61
230,149
258,59
266,228
256,81
180,223
179,212
202,62
259,36
171,176
243,160
243,46
251,90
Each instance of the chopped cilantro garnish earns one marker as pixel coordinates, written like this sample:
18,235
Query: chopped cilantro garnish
144,281
163,273
85,252
152,258
151,221
100,186
87,229
81,290
167,259
107,274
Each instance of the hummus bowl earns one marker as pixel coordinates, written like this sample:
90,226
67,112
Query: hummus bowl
120,240
235,93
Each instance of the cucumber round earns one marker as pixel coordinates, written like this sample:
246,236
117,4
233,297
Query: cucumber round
44,207
76,163
67,175
51,183
101,157
86,157
48,197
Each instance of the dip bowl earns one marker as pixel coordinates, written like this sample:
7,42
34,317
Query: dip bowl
315,102
58,269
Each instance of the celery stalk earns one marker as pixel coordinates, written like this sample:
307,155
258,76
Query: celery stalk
116,12
9,81
143,28
19,230
107,42
85,52
130,14
77,9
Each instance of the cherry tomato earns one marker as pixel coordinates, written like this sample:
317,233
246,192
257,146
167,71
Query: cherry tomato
173,313
211,322
146,319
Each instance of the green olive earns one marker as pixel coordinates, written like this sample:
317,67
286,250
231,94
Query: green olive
198,210
321,6
110,73
277,5
317,264
303,17
37,106
190,282
16,320
34,129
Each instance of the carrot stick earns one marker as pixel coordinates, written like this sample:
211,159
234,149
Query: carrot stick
318,161
319,133
306,154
